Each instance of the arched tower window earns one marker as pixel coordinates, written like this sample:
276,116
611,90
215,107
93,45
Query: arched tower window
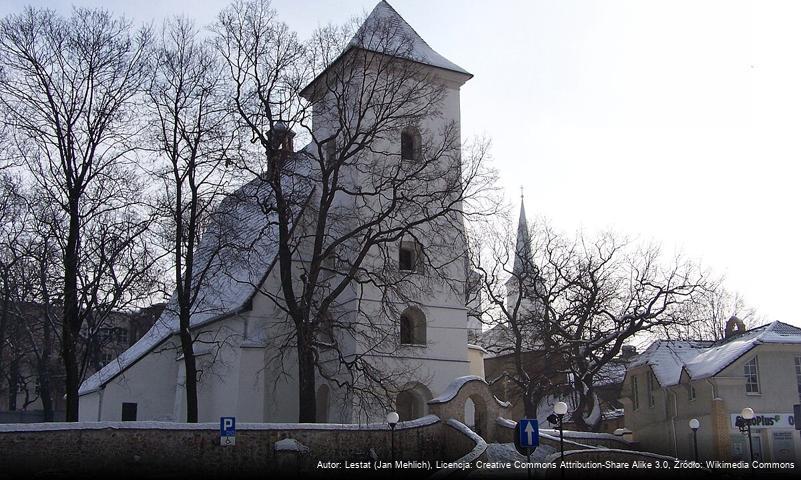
409,256
412,327
410,144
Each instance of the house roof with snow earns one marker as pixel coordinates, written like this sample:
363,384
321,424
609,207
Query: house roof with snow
232,260
704,359
386,32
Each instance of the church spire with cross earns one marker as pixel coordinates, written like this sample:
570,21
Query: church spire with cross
523,256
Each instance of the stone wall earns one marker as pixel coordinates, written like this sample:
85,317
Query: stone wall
141,449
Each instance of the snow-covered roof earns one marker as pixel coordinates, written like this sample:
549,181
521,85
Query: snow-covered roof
667,357
384,31
385,24
611,373
703,359
233,258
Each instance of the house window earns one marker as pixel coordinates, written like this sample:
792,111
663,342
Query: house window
798,375
410,144
412,327
635,393
409,256
128,412
751,372
104,334
692,393
651,389
121,335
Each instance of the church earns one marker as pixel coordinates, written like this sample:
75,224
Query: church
242,372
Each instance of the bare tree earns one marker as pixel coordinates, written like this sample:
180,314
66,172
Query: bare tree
587,298
340,207
69,88
192,131
714,308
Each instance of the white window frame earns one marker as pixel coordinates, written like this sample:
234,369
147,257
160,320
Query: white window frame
752,364
798,375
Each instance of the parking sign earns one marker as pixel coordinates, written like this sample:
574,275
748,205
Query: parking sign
227,431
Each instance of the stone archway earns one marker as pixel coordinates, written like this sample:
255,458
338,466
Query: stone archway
412,402
460,394
475,414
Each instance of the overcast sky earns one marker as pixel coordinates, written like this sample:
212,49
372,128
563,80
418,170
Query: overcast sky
674,121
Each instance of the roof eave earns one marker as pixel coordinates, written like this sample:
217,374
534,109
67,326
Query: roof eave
307,91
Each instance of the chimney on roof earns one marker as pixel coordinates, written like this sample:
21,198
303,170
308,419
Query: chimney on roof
734,326
281,137
628,352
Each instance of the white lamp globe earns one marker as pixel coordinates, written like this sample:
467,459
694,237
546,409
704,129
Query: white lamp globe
560,408
694,423
747,413
392,418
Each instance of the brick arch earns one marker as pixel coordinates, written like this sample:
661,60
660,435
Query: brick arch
451,403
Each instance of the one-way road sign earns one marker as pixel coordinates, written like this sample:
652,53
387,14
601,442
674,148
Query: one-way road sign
527,435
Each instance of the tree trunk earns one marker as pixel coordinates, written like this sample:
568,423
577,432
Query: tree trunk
13,377
306,394
190,365
44,370
530,404
71,323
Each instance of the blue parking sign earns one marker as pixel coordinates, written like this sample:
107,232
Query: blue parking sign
529,433
227,431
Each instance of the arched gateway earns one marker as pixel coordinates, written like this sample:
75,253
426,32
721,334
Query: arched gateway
469,400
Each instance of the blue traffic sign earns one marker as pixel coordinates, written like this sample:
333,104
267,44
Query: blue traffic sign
227,426
529,433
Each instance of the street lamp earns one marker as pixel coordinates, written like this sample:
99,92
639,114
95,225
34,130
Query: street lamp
392,420
694,425
745,426
560,409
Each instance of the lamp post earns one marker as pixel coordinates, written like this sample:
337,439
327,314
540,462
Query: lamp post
694,425
560,409
392,420
748,417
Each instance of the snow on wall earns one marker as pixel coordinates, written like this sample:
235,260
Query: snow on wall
480,447
147,425
290,445
454,388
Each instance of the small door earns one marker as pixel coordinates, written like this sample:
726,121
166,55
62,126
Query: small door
128,412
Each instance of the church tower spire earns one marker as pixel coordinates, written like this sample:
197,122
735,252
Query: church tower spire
523,260
523,257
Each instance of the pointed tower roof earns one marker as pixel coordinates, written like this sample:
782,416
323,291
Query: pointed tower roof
384,31
523,243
